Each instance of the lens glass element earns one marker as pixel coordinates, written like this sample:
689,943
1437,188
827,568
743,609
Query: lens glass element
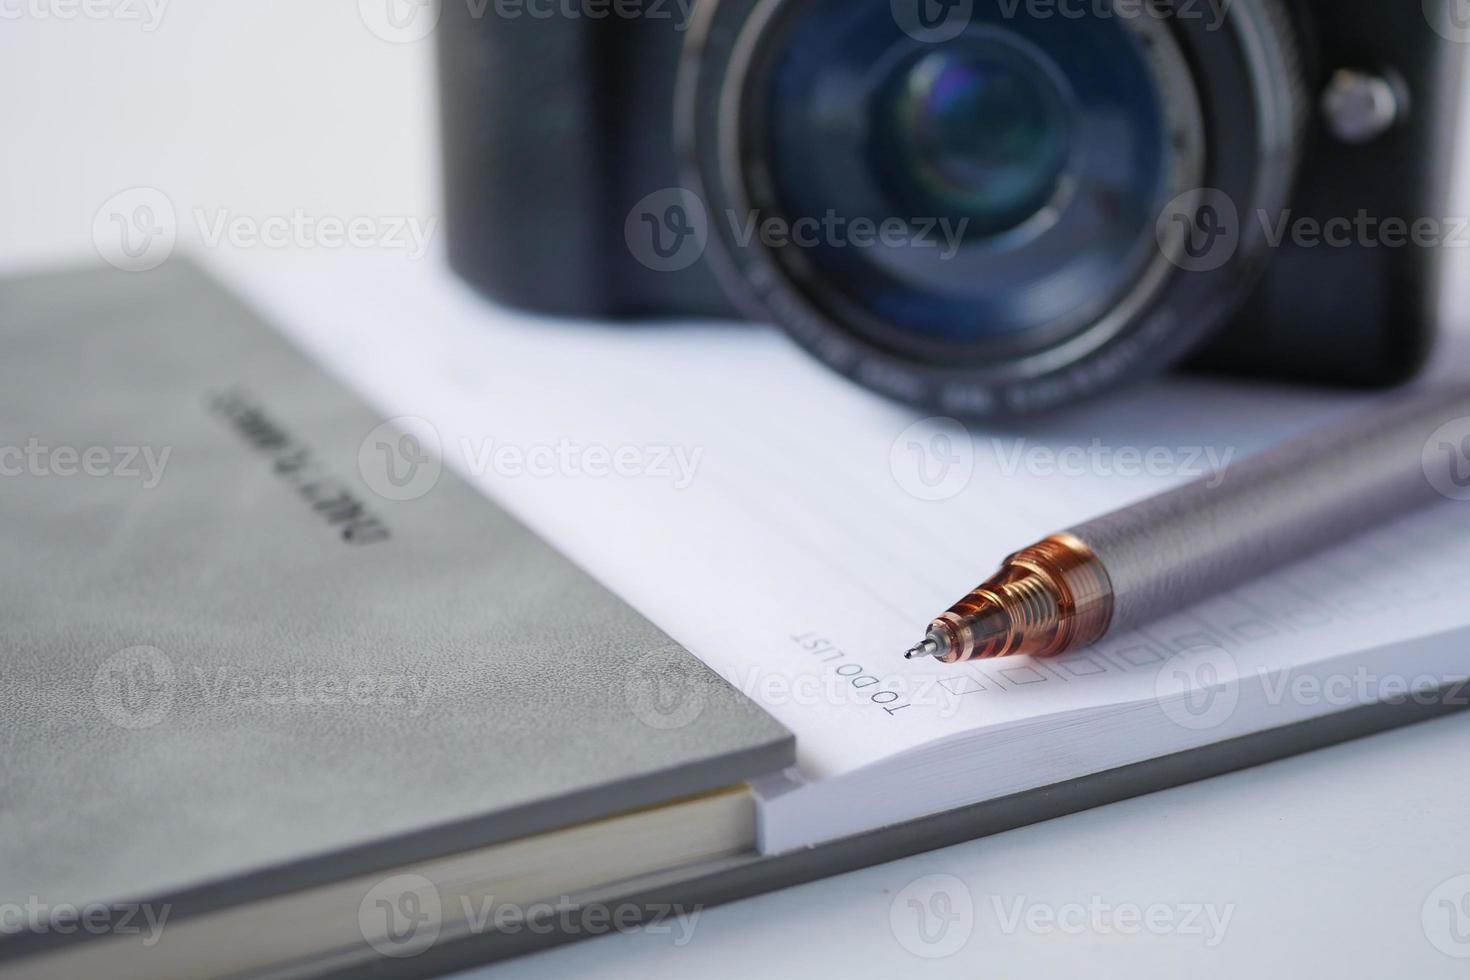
991,192
980,129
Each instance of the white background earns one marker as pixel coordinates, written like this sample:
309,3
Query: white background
1334,864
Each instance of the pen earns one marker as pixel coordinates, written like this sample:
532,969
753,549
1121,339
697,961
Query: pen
1137,564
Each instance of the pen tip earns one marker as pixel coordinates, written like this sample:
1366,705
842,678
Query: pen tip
928,648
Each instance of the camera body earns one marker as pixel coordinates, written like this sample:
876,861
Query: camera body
613,160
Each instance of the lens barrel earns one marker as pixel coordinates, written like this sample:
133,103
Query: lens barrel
980,208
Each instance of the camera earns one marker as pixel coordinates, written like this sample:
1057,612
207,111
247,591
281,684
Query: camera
981,207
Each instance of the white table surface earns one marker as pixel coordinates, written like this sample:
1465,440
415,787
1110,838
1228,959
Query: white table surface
1345,862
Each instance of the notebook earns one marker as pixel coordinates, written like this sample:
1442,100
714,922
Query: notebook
712,492
251,661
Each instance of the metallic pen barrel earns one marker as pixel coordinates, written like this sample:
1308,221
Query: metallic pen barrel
1045,599
1135,565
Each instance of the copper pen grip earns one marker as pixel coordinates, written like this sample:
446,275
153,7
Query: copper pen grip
1049,597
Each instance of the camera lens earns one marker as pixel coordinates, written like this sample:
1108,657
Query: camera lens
981,129
991,208
984,195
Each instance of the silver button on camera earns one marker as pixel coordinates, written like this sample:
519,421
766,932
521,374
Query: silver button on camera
1360,106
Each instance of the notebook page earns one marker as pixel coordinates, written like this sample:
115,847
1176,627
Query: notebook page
795,532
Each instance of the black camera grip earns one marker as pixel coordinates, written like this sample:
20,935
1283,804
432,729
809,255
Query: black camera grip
523,165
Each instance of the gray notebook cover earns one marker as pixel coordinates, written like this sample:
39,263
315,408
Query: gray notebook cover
253,641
